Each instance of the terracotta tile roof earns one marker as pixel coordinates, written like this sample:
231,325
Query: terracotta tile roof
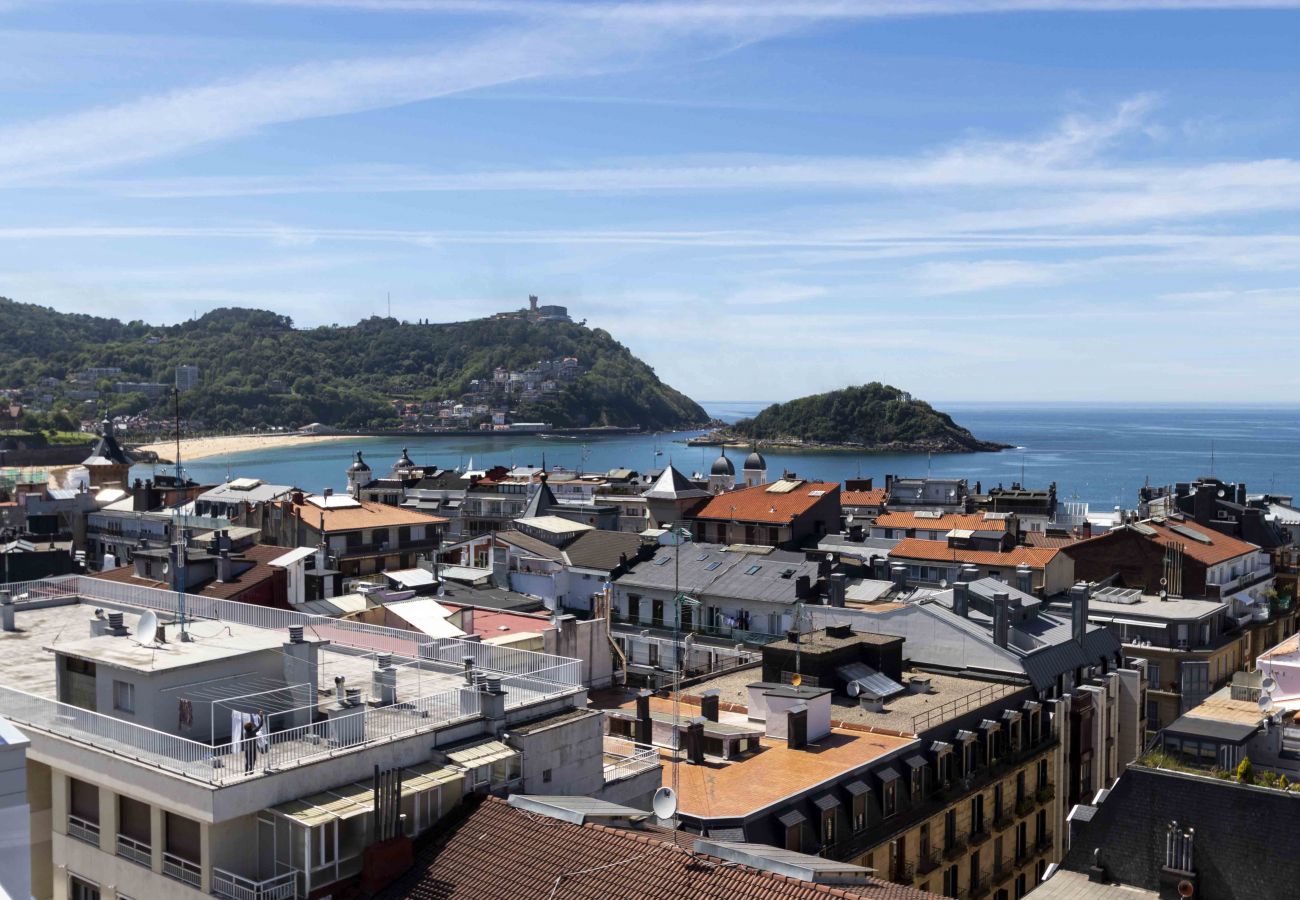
946,522
1038,539
259,554
773,773
368,515
939,551
1221,547
760,504
489,849
863,498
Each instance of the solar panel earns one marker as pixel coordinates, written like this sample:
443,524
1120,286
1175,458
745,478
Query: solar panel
1191,533
872,682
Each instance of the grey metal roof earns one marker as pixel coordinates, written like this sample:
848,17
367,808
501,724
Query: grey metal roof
602,550
577,810
530,544
1195,726
826,801
673,485
712,570
791,818
789,863
873,682
857,788
888,773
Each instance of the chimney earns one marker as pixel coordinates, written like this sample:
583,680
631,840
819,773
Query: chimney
898,575
468,661
961,595
225,567
709,705
296,497
295,634
1087,529
802,587
1024,579
492,701
796,728
115,624
836,589
693,737
7,611
855,532
1001,618
644,727
1079,595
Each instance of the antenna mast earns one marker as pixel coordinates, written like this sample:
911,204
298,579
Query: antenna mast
178,528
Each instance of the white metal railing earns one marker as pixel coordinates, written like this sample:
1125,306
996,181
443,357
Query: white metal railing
237,887
137,852
83,830
624,759
489,658
182,869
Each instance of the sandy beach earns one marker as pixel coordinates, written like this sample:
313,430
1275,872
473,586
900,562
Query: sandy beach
203,448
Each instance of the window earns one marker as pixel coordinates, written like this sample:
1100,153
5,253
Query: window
712,566
977,814
975,869
753,570
81,889
124,696
891,798
828,828
859,812
950,829
1153,674
546,776
792,838
1041,781
950,886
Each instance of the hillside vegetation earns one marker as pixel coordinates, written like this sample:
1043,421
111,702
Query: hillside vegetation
873,416
257,370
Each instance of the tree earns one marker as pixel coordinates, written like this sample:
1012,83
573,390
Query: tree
1246,771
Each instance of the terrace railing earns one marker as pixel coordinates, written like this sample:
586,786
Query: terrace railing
623,759
237,887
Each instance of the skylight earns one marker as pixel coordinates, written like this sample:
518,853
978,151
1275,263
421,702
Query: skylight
752,570
663,560
713,565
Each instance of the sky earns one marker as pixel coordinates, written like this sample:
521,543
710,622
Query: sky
1010,200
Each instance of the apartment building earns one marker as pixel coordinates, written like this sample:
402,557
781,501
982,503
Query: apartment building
142,781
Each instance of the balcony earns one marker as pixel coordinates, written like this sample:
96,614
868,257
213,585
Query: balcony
1025,805
1044,842
137,852
928,862
1002,819
83,830
980,889
954,848
237,887
901,873
1045,793
978,837
182,869
623,759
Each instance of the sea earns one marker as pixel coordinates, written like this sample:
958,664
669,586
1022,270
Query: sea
1101,454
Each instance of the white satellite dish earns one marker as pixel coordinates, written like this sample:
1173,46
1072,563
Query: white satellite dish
1268,684
1265,704
665,803
855,688
943,583
147,628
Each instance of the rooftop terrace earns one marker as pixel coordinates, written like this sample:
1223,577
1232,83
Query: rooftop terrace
55,615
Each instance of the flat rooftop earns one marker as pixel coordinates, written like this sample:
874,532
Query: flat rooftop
725,789
211,642
950,696
1149,606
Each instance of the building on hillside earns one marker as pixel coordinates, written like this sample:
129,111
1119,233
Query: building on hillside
600,850
788,513
187,377
155,789
1048,569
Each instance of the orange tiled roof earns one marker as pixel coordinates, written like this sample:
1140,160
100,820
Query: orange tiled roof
368,515
1221,547
758,504
874,497
946,522
939,551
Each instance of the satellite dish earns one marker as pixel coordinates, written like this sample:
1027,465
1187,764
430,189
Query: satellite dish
1265,703
855,688
943,583
167,568
796,680
665,803
1185,888
1268,684
147,628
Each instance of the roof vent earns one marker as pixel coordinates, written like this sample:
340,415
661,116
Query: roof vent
295,634
115,624
919,684
353,696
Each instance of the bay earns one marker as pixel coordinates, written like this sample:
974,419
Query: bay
1097,453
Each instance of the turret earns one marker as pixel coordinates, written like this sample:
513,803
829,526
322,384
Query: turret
358,476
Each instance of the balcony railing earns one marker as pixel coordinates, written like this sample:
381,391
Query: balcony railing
901,873
623,759
1044,842
1025,805
1002,819
928,862
1045,793
83,830
954,848
182,869
237,887
137,852
978,837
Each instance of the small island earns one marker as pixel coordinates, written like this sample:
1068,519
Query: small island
874,417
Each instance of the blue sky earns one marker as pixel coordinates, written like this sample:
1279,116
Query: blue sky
993,199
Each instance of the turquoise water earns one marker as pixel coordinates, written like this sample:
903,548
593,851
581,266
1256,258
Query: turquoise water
1101,454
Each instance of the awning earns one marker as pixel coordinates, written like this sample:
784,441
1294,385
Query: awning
888,773
416,779
917,761
481,754
792,818
1136,623
826,802
343,802
857,788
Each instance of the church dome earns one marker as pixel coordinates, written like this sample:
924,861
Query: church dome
755,462
722,466
405,462
359,465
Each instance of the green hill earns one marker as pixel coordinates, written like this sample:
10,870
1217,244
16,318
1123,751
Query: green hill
256,369
872,416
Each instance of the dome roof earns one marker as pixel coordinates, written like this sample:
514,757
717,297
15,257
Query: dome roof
359,465
755,462
722,466
405,462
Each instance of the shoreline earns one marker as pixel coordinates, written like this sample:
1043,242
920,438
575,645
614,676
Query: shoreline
208,447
